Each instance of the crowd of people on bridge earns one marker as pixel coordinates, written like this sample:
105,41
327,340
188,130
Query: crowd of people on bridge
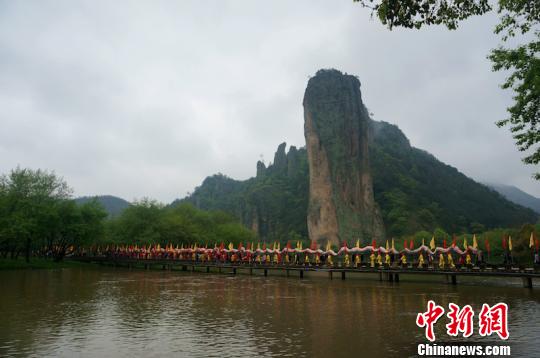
443,257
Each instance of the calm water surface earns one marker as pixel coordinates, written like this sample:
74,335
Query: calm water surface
120,313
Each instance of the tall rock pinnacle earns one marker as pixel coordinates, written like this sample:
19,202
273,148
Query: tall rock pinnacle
336,127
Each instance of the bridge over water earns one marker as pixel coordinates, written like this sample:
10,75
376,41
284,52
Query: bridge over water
384,272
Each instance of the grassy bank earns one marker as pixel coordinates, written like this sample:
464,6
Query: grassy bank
38,264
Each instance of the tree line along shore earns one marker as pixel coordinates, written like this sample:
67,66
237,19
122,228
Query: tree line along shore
40,223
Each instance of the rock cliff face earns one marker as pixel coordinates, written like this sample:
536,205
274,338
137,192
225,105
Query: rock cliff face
261,169
280,158
336,128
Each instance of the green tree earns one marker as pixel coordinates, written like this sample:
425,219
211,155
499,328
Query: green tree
477,228
440,234
517,18
27,197
72,225
148,222
138,224
422,235
521,243
523,63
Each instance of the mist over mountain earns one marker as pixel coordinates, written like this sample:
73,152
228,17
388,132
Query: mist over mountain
516,195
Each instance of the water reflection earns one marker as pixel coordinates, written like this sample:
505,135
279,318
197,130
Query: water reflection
103,313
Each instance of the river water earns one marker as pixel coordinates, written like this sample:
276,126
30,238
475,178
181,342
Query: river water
87,312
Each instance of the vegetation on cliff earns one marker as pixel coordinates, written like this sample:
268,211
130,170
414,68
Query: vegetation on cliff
415,192
273,204
353,172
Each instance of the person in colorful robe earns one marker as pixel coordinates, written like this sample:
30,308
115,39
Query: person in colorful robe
346,260
441,261
450,260
421,261
403,260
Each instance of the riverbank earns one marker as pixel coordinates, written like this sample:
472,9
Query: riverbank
38,264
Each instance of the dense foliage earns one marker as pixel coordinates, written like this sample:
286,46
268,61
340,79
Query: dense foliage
148,222
490,241
417,192
274,204
37,214
414,190
519,20
417,13
39,218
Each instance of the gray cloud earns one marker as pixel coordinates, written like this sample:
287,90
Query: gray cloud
146,99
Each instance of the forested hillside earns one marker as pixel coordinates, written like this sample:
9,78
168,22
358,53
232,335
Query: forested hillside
273,203
413,189
418,192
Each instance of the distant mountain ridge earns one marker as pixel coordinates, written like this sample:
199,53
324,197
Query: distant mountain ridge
112,204
516,195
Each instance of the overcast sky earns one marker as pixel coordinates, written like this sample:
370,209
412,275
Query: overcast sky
147,98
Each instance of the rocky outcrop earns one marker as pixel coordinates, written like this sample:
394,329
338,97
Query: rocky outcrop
341,202
261,169
274,203
293,162
280,158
